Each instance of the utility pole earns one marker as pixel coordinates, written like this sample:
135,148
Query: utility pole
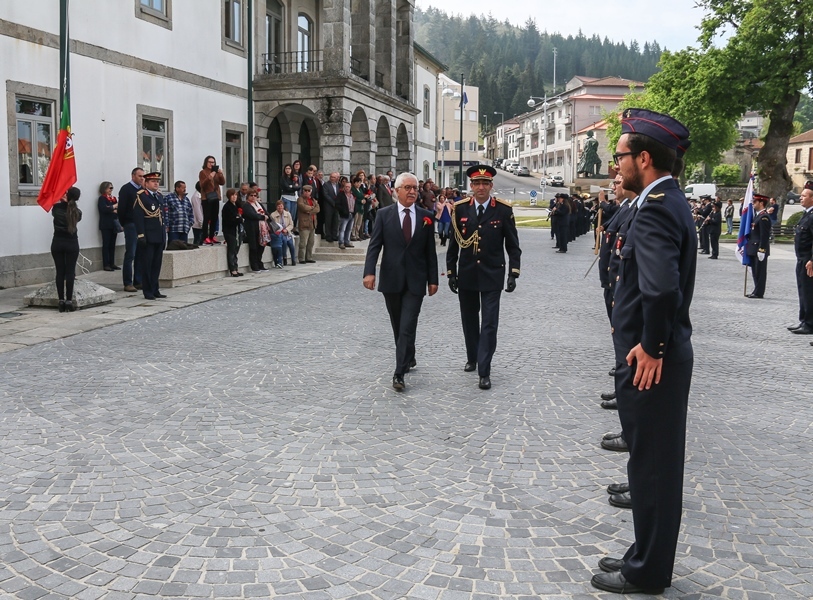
462,118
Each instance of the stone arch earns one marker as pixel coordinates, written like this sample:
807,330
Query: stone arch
360,145
402,145
293,133
384,153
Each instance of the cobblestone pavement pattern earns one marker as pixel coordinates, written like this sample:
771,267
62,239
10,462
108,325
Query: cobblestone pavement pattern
251,446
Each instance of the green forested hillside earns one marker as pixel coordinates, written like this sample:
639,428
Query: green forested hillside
509,64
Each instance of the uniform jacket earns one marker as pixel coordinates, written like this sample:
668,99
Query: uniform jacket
759,239
608,260
149,218
403,266
484,270
656,277
803,242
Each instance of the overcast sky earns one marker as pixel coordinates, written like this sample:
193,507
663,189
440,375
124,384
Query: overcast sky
672,24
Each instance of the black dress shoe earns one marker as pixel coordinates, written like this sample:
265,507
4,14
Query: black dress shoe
617,584
755,296
398,382
610,565
413,363
561,252
137,286
612,372
618,444
470,366
485,383
608,396
160,295
609,404
618,488
797,326
620,500
70,306
612,436
61,306
146,297
803,330
713,257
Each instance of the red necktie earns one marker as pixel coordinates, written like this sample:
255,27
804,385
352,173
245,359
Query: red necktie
407,225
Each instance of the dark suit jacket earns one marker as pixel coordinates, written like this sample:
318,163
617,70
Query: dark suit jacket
485,270
760,237
328,196
657,272
404,266
803,241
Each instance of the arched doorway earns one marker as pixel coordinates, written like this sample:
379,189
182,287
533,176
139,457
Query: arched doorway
383,138
273,163
360,148
402,161
307,137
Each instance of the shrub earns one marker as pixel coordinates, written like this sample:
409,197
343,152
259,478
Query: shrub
727,174
795,218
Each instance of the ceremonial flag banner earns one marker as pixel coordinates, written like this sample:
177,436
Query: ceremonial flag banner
62,169
746,216
464,100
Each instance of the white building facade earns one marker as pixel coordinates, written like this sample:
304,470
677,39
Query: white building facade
160,84
450,113
427,70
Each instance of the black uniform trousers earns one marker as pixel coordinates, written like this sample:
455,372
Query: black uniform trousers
804,286
480,314
562,234
330,228
654,425
759,272
704,238
151,256
403,309
714,241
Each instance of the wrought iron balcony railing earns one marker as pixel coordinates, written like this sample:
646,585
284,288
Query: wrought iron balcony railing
302,61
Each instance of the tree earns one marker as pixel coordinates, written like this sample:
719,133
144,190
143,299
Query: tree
727,174
764,66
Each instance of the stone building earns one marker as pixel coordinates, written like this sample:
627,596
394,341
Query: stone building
800,159
162,83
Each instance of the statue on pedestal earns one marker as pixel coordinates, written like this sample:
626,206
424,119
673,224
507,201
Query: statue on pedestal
589,163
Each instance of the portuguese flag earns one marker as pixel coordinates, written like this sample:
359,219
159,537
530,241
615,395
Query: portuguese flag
62,169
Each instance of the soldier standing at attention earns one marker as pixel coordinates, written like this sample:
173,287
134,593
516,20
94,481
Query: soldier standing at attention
653,348
152,235
483,231
758,247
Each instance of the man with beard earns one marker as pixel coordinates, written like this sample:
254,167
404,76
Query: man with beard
652,340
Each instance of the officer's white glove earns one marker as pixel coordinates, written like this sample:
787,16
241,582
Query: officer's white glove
761,256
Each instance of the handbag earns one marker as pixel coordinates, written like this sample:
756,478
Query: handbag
212,196
241,234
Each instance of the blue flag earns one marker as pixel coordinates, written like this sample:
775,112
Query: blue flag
746,217
464,100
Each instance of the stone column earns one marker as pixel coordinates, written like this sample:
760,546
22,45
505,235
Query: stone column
336,35
384,49
335,140
363,37
404,55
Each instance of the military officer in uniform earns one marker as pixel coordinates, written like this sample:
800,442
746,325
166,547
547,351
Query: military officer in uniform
758,247
803,245
152,235
652,340
483,231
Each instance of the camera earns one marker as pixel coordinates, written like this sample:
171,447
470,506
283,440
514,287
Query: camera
215,168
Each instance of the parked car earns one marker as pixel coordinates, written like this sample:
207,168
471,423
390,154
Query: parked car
557,181
511,166
792,197
522,171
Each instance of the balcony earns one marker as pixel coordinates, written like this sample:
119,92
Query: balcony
355,69
306,61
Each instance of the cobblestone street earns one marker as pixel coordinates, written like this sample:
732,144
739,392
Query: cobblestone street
252,446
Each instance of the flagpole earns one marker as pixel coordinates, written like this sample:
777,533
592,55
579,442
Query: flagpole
64,56
745,283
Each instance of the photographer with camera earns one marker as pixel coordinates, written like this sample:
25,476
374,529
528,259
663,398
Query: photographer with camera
211,177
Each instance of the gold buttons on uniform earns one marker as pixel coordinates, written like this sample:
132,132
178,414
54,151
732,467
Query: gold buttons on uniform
612,329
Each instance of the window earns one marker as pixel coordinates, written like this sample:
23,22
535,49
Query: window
559,134
443,145
798,158
233,21
427,96
457,115
155,142
472,147
472,115
304,30
425,170
273,33
157,12
233,169
35,126
457,146
595,111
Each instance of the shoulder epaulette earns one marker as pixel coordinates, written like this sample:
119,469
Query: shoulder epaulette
141,191
463,201
506,202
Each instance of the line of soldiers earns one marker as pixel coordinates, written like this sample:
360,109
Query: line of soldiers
569,218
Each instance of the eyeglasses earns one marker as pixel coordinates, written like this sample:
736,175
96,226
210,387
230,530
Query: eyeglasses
409,188
618,155
614,183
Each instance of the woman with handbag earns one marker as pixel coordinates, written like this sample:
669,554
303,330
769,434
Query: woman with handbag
211,177
109,225
256,223
232,218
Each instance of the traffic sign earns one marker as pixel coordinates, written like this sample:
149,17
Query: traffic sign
533,197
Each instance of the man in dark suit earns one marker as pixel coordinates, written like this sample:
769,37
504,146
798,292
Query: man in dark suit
803,245
131,269
758,246
328,199
653,348
409,267
484,230
148,218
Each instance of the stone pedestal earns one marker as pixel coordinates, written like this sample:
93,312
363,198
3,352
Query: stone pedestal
85,294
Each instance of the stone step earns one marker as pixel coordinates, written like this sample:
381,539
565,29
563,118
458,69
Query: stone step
330,251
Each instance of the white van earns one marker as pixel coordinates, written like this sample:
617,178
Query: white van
695,190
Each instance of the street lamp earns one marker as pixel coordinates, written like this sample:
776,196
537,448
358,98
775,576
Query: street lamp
504,140
545,106
446,93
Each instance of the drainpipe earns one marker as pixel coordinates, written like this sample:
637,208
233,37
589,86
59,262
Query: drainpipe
250,90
